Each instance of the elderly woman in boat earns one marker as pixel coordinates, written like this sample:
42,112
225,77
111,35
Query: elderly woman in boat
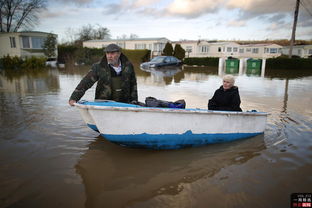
226,98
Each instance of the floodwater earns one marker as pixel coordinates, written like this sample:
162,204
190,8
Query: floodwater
50,158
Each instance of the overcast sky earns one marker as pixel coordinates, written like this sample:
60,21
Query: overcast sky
181,19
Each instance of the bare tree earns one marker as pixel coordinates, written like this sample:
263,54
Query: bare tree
90,32
85,33
71,35
123,36
1,6
102,33
131,36
16,14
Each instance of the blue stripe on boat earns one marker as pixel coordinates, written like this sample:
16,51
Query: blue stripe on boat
174,141
93,127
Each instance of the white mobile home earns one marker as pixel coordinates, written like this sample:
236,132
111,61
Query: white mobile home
156,45
303,51
224,49
194,48
203,48
260,51
190,46
23,44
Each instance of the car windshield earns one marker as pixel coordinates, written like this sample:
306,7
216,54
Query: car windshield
158,59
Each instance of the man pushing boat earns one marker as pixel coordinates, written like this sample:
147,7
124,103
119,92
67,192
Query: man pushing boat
115,77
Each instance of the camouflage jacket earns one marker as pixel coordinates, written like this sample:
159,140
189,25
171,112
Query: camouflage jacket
101,73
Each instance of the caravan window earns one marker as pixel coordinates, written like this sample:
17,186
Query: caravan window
12,42
204,49
273,50
37,42
255,50
25,41
121,44
140,46
189,48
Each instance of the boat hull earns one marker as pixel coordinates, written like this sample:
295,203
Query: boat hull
174,141
84,112
162,128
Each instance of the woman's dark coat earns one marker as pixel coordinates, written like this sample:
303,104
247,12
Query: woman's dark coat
226,100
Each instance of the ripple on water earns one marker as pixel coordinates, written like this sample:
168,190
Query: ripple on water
289,136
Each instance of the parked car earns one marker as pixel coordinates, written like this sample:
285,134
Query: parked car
52,62
161,61
164,72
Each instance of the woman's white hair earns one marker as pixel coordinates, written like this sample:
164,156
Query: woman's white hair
229,78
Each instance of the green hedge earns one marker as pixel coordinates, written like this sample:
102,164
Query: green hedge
66,53
11,62
205,61
137,56
34,63
289,63
91,55
70,54
14,62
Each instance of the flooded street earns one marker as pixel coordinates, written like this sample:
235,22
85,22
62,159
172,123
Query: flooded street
50,158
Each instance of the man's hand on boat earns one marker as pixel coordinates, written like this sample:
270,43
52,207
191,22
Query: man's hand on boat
72,102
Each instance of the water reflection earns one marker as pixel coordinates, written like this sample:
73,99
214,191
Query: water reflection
164,74
29,81
109,170
46,147
290,74
195,73
75,70
199,73
171,75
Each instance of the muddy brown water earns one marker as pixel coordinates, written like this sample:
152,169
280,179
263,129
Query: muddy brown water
49,158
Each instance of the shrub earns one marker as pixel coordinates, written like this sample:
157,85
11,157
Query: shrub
137,56
92,55
15,62
289,63
179,52
9,62
34,63
66,53
70,54
205,61
49,46
168,50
